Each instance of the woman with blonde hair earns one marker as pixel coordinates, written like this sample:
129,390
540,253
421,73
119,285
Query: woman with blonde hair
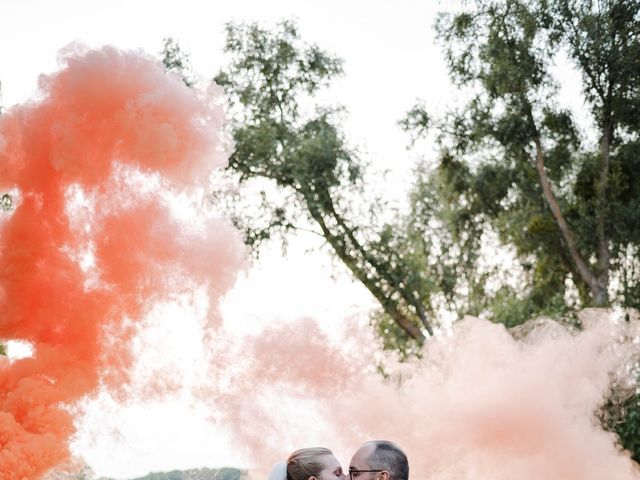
308,464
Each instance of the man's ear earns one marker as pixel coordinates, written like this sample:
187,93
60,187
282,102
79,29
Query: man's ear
384,475
312,478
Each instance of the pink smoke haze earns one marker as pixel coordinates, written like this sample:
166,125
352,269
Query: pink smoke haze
480,405
90,245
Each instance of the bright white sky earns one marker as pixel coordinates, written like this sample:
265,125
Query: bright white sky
390,61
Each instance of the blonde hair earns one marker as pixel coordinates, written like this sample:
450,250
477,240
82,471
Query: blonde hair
305,463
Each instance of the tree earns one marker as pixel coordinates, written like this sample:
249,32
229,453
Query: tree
516,163
512,164
313,179
176,60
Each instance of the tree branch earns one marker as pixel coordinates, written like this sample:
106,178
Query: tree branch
390,278
390,306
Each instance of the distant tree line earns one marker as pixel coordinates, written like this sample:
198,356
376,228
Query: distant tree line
85,473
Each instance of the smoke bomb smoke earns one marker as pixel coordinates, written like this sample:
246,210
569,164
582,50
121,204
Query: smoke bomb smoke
480,404
93,245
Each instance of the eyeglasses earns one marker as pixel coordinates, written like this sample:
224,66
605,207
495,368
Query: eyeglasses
355,471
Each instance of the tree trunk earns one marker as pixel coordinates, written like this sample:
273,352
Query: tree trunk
388,304
597,292
405,293
601,218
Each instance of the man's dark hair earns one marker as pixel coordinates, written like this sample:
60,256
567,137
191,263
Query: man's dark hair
388,456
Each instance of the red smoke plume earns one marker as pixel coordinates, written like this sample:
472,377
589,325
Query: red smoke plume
90,244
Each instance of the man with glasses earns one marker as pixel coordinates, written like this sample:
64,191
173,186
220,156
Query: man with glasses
379,460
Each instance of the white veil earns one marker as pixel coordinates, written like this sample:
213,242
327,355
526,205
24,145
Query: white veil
278,472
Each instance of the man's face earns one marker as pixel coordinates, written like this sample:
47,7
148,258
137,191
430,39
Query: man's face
359,462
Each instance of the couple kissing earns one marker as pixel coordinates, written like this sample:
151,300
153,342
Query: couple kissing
375,460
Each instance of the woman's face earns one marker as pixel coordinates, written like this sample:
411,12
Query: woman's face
332,469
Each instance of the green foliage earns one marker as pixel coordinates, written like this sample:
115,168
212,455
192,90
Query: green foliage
309,179
485,183
270,70
501,52
623,418
304,155
6,202
176,60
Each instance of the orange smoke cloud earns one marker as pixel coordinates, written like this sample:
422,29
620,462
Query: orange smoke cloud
91,244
